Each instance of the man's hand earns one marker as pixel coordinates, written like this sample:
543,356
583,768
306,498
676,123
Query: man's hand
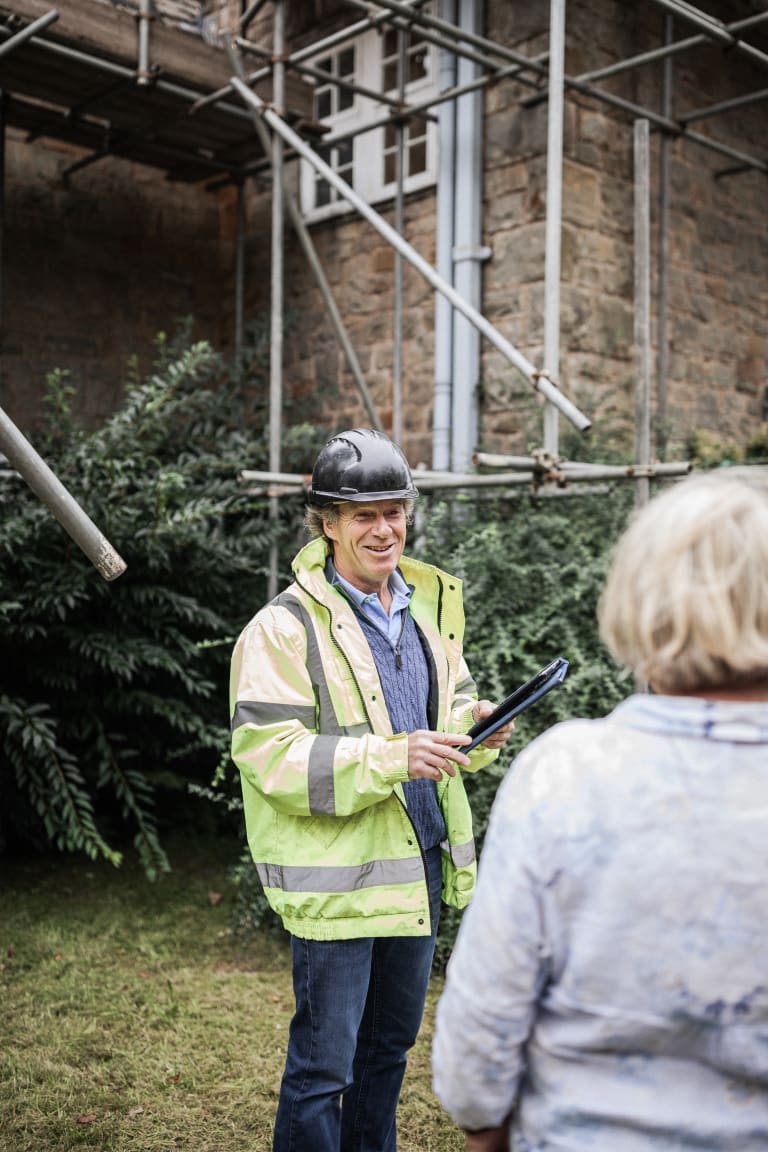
432,753
489,1140
499,738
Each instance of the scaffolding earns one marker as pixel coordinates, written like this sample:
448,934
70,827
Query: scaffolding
239,125
546,75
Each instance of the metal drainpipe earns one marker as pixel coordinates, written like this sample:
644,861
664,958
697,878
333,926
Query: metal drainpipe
446,159
468,255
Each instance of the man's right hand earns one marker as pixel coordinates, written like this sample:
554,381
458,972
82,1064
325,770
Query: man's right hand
430,754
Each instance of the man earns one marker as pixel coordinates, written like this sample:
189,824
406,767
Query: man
350,697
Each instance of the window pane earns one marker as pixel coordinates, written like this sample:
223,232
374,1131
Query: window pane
322,193
390,136
417,157
324,65
390,76
346,99
344,153
417,65
389,47
347,63
389,168
323,104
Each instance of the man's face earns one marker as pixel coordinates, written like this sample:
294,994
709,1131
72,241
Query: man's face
368,541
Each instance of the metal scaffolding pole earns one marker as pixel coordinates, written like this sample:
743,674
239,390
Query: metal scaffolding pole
662,357
317,46
554,210
666,124
276,327
397,319
453,42
713,28
424,21
313,259
398,105
50,490
250,13
31,30
642,306
144,17
542,463
724,106
468,251
538,379
3,109
445,204
66,53
559,472
239,274
669,49
342,335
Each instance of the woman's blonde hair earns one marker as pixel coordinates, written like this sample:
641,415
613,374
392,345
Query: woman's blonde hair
685,605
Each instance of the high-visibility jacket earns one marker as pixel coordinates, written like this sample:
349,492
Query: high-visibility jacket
321,769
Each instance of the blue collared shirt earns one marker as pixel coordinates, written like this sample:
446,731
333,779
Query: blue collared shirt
371,607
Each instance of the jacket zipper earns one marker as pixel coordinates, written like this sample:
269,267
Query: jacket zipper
398,657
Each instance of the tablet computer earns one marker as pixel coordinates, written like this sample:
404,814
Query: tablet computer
544,680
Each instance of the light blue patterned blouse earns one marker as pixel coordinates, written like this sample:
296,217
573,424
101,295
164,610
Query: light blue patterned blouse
611,974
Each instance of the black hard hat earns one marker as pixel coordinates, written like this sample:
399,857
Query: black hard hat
361,465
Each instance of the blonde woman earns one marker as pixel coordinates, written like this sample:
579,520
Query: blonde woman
609,987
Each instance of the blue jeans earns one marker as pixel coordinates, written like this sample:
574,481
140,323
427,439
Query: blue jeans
359,1005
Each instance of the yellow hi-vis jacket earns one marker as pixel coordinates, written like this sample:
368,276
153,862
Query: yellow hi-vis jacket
322,771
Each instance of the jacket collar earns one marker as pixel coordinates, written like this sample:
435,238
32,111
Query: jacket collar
309,569
737,722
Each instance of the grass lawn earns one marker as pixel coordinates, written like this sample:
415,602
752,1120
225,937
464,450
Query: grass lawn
131,1019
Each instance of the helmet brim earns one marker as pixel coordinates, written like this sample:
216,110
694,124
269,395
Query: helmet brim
354,497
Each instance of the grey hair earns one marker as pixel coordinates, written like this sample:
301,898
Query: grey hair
316,516
685,604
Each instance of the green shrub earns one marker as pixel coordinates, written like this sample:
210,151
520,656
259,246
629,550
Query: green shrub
532,572
113,697
756,451
708,450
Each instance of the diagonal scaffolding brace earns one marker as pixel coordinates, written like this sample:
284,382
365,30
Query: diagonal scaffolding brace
538,378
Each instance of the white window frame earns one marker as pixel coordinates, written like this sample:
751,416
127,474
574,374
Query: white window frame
368,147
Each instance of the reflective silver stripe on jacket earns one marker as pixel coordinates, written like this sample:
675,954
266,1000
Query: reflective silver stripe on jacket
263,713
467,687
320,783
322,800
347,878
462,855
328,722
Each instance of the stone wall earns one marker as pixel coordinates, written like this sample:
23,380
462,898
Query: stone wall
93,270
717,292
716,284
